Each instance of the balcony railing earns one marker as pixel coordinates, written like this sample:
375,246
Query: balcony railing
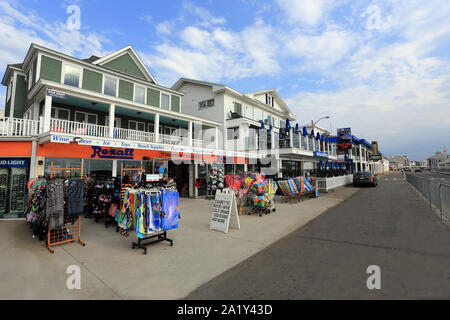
135,135
13,127
78,128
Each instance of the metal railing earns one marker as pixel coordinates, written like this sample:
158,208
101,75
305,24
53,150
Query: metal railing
435,192
327,184
78,128
14,127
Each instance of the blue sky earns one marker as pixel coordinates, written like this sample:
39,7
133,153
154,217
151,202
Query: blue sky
380,67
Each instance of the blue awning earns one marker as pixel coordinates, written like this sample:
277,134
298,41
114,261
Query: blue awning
312,133
321,165
318,136
305,132
327,165
270,130
297,128
262,124
333,139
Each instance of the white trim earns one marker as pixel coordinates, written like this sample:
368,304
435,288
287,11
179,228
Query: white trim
13,96
38,67
117,119
134,56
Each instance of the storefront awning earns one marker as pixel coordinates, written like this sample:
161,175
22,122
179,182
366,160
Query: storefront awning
318,136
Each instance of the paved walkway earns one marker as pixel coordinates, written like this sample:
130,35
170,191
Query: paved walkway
110,269
389,226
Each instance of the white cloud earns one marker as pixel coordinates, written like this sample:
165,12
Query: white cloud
309,12
206,18
19,30
320,50
164,28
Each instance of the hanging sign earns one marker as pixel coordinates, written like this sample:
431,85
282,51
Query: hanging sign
13,163
56,94
225,213
100,153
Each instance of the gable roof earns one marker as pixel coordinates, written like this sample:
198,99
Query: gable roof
128,50
277,97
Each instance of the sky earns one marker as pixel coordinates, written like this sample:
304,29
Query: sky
380,67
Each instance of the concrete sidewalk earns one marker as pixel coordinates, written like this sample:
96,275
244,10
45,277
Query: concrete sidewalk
110,269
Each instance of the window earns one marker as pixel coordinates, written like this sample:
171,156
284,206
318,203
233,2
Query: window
61,114
269,99
85,117
206,104
258,115
72,76
233,133
282,123
237,108
248,112
165,101
136,125
139,94
110,86
151,127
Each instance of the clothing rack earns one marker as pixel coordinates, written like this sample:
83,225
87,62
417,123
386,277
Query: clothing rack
154,238
149,224
65,234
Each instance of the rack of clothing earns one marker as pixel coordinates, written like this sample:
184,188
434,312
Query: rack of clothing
151,212
53,210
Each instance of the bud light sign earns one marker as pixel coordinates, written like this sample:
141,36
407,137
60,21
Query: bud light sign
122,154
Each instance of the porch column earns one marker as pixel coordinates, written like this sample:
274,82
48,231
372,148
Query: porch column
112,114
291,137
360,158
156,127
216,140
47,113
190,134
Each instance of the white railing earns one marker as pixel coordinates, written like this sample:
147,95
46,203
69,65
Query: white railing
135,135
78,128
14,127
203,144
175,140
327,184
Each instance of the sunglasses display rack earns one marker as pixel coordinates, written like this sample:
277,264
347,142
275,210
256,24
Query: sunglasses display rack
4,174
17,193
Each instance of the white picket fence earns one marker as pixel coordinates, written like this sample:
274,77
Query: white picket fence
14,127
327,184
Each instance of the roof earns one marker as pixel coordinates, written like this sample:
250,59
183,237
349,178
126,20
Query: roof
218,86
9,67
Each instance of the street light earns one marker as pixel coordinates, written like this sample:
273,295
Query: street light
314,123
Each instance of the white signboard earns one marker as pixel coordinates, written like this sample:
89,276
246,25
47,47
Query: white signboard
152,177
225,213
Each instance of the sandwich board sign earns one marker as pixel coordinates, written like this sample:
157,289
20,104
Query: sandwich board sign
225,213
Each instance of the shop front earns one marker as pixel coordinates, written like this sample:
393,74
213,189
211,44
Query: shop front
14,173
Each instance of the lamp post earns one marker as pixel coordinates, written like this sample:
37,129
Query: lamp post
314,123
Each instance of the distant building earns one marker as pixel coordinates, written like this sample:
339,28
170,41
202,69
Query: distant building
440,160
401,161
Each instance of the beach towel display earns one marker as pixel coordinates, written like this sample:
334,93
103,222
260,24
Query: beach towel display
151,212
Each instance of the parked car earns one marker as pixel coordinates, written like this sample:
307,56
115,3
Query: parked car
365,178
406,169
417,169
